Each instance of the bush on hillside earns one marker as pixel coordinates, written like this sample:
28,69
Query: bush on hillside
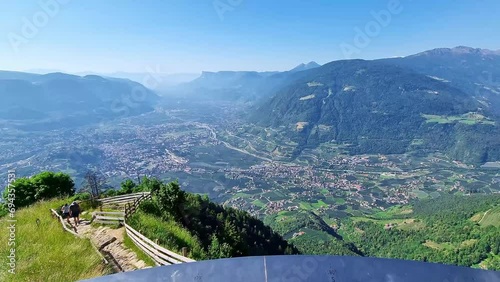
45,185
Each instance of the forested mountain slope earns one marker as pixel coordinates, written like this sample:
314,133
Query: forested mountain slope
475,71
57,99
377,107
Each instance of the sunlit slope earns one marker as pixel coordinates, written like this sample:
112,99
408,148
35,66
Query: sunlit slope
376,108
45,252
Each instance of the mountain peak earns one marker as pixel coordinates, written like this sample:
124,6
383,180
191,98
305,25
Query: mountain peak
459,50
302,67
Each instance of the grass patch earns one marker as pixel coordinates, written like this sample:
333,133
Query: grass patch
411,224
282,215
417,142
45,252
316,234
393,211
314,83
306,206
438,246
242,195
399,222
468,243
319,204
169,234
468,118
339,201
140,254
491,217
421,194
477,217
259,203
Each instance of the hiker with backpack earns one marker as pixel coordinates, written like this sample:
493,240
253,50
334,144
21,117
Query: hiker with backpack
65,212
74,211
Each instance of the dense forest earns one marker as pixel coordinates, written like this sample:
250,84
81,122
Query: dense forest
449,229
458,230
325,240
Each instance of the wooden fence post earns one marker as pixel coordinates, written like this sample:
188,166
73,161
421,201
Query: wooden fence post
184,251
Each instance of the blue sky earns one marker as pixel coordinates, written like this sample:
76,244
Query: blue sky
179,36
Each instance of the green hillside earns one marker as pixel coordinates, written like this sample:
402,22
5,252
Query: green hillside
310,233
491,217
379,108
445,230
45,252
179,219
176,219
457,230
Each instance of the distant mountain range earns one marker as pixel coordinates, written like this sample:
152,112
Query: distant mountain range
308,66
154,81
246,86
433,101
57,99
445,99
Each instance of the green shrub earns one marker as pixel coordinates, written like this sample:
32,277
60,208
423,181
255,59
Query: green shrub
83,196
43,186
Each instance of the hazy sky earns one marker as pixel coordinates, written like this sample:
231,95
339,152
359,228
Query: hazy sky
179,36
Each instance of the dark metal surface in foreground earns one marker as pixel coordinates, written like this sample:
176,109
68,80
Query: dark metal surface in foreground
306,268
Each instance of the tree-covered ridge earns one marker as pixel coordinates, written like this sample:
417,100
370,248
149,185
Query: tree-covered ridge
319,238
35,100
449,229
380,108
221,232
458,230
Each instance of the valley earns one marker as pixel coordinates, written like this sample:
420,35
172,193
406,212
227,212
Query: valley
324,201
226,160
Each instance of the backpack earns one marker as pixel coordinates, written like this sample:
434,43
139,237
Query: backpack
74,208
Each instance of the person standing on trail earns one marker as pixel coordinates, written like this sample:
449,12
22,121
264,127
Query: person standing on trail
65,212
74,211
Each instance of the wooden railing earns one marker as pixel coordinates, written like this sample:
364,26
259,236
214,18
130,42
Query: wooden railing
122,199
64,224
65,228
130,208
160,255
108,217
128,202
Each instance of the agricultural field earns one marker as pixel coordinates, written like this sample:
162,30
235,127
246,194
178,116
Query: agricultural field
469,118
490,217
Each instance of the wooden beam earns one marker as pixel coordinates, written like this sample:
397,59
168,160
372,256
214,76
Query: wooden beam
177,257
